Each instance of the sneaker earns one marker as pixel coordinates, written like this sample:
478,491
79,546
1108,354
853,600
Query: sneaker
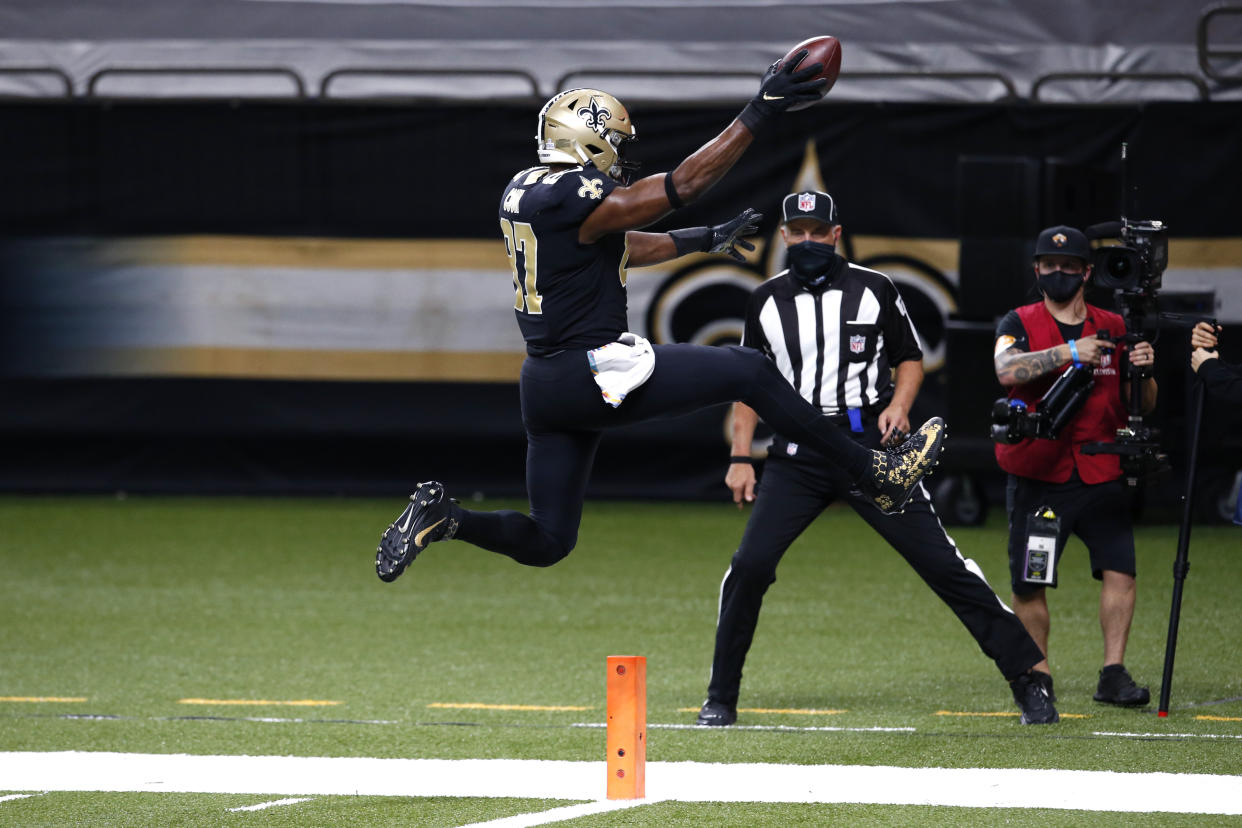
717,714
1033,699
1117,687
896,471
429,517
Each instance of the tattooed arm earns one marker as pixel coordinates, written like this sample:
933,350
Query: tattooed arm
1017,367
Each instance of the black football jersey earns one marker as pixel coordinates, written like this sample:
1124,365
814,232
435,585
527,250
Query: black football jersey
567,294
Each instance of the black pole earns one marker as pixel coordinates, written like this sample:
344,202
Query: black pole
1181,564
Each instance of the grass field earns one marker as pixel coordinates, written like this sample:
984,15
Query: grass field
129,608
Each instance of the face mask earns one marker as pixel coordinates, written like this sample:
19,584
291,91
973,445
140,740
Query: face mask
1058,285
810,262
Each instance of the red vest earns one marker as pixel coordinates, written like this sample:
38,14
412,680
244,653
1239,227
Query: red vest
1098,421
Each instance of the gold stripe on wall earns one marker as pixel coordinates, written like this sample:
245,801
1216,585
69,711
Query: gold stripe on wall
305,364
1205,253
311,253
489,254
939,253
1195,253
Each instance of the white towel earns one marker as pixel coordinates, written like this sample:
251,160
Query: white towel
620,367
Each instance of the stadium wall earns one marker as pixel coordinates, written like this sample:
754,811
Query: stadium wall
272,297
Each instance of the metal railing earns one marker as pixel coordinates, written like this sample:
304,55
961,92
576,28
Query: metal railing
59,74
1205,53
357,71
92,83
1142,77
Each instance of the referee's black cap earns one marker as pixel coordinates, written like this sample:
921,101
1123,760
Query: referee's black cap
812,204
1063,241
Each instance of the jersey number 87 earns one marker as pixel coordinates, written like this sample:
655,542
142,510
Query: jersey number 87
519,234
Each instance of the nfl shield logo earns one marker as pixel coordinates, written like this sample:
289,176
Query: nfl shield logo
806,202
858,343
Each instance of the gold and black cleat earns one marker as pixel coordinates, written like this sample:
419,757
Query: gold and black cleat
429,517
896,471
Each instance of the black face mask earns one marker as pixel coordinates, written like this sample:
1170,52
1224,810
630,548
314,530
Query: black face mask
810,262
1058,285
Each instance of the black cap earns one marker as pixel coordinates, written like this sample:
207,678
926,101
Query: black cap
1063,241
812,204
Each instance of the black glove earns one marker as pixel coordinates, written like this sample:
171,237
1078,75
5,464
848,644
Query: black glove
783,85
727,237
723,238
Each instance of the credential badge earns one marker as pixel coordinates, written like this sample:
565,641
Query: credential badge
806,202
858,342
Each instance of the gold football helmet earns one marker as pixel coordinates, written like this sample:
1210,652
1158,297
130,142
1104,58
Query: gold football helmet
586,126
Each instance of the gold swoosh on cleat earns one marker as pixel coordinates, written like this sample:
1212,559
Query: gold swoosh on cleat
418,539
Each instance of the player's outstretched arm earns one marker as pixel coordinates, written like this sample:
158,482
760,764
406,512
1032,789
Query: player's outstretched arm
653,248
651,198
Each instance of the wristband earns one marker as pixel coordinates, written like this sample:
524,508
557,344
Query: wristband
671,192
754,117
692,240
1073,350
741,458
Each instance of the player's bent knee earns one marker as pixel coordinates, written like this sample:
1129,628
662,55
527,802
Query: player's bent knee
752,572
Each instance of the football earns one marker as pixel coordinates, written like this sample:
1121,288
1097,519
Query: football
824,49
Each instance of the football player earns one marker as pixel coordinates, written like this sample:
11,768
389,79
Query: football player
571,229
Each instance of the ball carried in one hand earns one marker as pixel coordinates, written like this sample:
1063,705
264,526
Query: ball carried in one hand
824,49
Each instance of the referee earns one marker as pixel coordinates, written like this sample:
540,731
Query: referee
839,333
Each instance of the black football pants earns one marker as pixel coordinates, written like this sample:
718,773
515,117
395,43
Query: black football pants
565,416
791,494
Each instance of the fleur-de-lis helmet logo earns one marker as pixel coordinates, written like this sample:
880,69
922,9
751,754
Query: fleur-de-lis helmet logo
594,116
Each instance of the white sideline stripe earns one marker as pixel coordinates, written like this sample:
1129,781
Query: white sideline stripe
560,814
1167,735
271,804
7,797
680,781
791,728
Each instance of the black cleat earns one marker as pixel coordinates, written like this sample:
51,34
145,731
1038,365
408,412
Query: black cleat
717,714
1031,694
896,471
1046,680
1117,687
429,517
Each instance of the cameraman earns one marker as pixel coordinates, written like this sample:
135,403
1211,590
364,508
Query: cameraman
1034,345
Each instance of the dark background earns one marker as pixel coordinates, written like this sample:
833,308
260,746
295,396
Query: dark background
989,175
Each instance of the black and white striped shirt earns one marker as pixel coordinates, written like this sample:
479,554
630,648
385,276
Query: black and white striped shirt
837,345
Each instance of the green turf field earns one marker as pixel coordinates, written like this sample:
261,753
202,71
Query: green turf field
136,605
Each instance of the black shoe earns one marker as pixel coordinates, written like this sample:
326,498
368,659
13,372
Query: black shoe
1117,687
429,517
1046,680
1033,699
717,714
896,471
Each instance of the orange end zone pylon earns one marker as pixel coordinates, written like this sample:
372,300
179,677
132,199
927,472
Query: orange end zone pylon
627,727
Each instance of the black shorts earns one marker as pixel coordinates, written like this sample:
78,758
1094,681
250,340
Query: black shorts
1098,513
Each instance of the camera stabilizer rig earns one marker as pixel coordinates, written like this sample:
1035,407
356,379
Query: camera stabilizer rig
1013,421
1134,270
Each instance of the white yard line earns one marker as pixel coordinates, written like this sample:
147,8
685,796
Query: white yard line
7,797
560,814
681,781
262,805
